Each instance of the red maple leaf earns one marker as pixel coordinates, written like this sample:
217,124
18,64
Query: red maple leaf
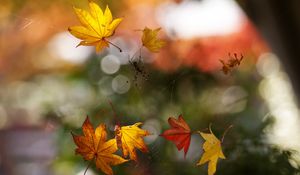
179,133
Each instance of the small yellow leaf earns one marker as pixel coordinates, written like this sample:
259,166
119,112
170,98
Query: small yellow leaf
129,138
96,26
150,40
212,151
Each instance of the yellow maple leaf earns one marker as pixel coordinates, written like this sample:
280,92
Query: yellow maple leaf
212,151
150,40
96,26
130,137
93,146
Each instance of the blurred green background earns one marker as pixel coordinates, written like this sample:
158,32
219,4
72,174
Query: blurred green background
48,87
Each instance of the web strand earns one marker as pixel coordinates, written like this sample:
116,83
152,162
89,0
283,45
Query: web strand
114,112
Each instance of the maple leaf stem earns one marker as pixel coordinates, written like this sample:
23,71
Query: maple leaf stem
89,165
115,46
197,132
225,132
205,129
194,132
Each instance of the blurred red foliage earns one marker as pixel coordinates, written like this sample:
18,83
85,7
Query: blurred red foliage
204,53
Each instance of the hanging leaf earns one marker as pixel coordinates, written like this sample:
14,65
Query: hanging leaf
179,134
96,26
212,151
150,40
129,138
92,146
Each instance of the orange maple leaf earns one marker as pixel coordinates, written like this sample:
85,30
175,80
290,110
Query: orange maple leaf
92,146
179,134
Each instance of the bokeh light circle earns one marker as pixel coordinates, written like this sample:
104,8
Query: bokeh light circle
110,64
120,84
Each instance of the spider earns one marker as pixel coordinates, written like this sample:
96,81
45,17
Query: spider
234,61
226,69
139,69
231,63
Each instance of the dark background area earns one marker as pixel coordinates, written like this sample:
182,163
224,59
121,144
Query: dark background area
279,23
